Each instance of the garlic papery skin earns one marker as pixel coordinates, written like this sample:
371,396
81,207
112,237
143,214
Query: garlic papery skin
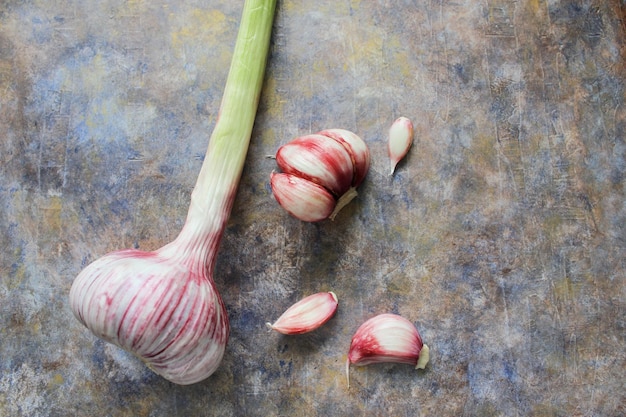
335,159
303,199
387,338
399,141
307,314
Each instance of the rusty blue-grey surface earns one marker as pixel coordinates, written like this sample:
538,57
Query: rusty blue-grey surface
501,236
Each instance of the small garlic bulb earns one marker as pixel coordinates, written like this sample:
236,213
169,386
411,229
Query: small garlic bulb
320,173
400,140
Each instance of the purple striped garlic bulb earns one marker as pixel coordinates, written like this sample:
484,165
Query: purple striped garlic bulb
307,314
162,306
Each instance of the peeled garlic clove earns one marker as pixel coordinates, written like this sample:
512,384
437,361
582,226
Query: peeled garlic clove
307,314
400,140
319,159
303,199
358,150
387,338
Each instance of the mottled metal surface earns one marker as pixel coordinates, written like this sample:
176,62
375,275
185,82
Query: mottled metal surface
501,236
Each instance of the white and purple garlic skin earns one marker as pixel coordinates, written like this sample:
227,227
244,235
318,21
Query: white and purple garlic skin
162,306
320,173
387,338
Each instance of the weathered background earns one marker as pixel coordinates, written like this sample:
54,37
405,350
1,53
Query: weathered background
501,236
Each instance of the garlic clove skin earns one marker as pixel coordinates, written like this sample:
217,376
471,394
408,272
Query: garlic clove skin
303,199
400,141
164,310
358,150
319,159
387,338
307,314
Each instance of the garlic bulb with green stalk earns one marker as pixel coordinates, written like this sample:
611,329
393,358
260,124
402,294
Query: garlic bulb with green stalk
163,305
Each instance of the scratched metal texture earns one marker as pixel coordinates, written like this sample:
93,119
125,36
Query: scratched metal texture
501,236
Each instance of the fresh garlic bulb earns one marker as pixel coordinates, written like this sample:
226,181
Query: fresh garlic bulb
320,173
387,338
161,307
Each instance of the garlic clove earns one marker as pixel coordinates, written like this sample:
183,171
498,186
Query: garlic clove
387,338
307,314
319,159
400,140
357,149
303,199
